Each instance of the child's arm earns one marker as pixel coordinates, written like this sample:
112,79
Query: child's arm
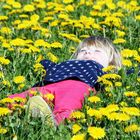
47,64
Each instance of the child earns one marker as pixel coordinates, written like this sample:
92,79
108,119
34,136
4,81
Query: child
71,80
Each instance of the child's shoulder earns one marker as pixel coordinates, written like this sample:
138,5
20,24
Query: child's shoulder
83,62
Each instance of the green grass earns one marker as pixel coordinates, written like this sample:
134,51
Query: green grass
18,123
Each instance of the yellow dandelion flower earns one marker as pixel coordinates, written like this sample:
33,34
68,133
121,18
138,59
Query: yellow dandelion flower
5,30
40,57
94,99
33,92
137,100
6,100
96,26
131,128
24,25
56,45
120,33
17,106
119,40
41,4
67,1
118,116
52,57
77,115
123,104
16,5
103,111
137,58
6,83
6,45
71,37
128,53
111,5
29,41
3,130
138,79
127,63
109,68
111,76
84,36
83,120
93,112
122,117
96,132
121,4
78,137
47,19
39,68
34,49
40,42
18,42
64,24
104,81
23,16
131,111
112,107
25,50
2,18
127,87
110,94
72,49
28,8
2,39
49,96
75,128
16,22
118,84
54,23
63,16
108,89
34,17
4,111
111,116
4,61
19,99
20,86
69,8
130,94
19,79
7,7
137,17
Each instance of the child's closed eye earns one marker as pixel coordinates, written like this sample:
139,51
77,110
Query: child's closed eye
82,50
97,50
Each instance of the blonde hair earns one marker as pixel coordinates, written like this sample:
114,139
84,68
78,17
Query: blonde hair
104,43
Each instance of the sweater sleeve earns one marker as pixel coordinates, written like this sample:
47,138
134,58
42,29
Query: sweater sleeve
47,64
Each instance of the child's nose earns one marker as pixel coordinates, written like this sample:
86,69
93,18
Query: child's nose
87,52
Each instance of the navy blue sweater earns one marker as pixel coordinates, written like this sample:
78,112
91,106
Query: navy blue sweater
83,70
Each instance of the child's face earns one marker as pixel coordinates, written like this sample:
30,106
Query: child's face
92,53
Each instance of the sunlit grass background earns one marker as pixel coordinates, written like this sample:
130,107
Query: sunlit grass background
32,30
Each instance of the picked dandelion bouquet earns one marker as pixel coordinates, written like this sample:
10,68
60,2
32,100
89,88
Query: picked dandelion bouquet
33,30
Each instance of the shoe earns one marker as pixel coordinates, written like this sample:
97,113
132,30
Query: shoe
39,108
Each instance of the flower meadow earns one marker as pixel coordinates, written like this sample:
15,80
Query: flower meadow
33,30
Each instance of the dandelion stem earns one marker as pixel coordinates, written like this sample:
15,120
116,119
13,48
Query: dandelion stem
11,124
